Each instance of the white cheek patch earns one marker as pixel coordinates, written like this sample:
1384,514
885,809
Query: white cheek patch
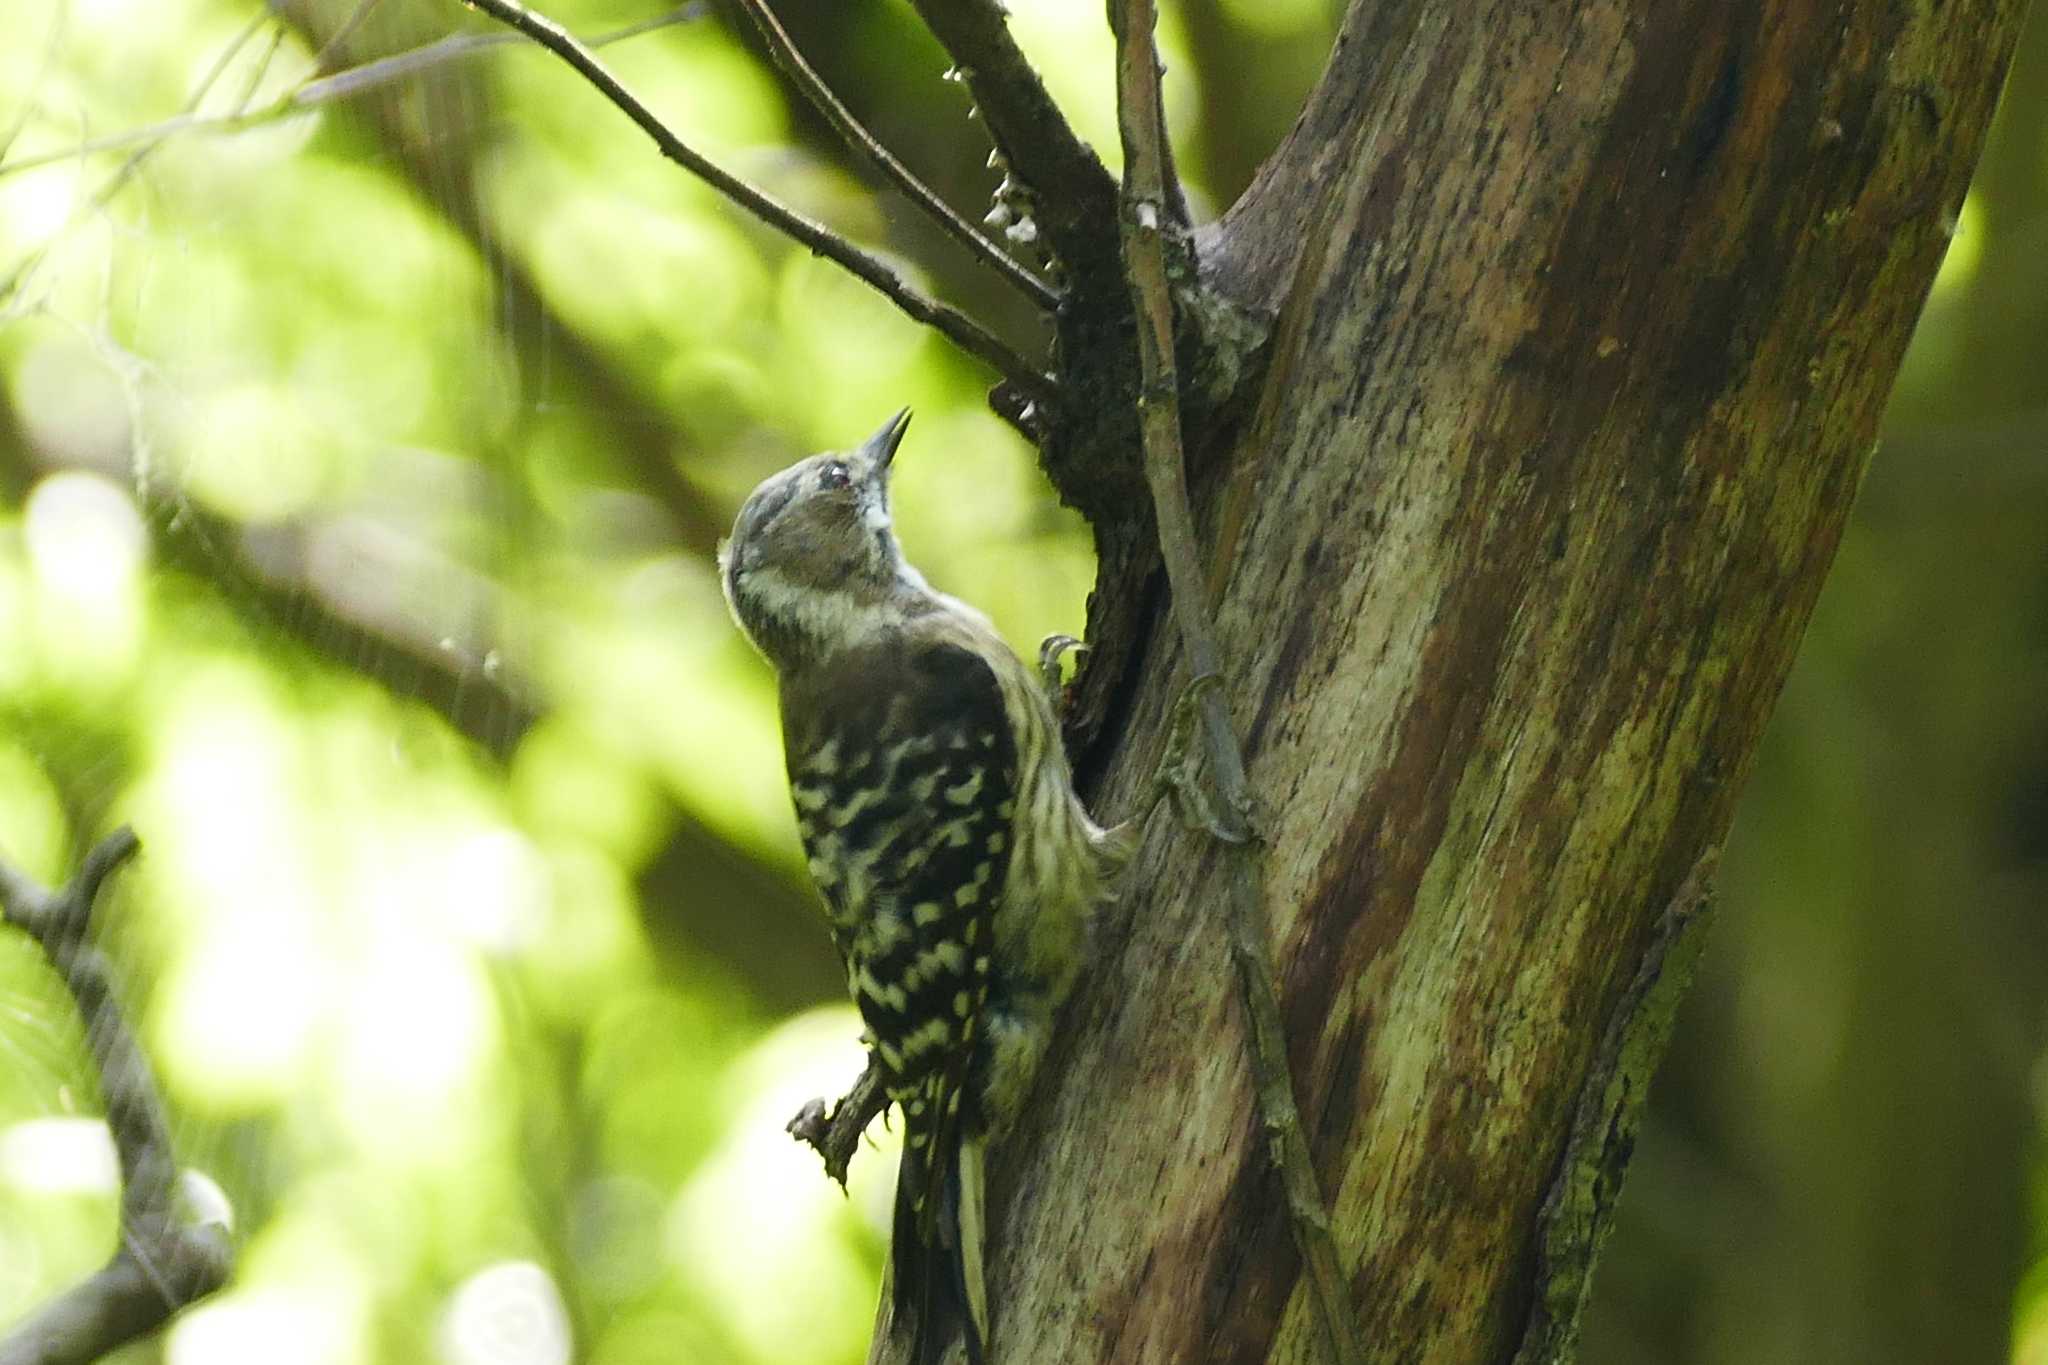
874,512
836,618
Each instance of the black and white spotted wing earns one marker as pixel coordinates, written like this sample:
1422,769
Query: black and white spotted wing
904,769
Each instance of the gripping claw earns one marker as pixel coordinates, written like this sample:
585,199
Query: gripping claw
1178,776
1051,651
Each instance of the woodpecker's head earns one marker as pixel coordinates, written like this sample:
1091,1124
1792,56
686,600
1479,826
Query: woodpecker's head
813,565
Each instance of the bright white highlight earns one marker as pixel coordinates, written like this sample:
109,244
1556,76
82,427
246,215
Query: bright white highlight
37,204
85,540
758,1225
304,1325
506,1314
73,408
236,973
494,887
408,1042
205,1202
59,1156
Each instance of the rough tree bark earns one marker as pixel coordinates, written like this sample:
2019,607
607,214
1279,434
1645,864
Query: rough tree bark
1584,316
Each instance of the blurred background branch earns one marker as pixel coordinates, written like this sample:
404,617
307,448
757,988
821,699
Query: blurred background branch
165,1262
316,91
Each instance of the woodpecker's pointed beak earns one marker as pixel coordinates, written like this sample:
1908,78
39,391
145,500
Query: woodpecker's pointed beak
881,447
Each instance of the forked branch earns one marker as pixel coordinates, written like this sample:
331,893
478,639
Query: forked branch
962,330
869,148
1150,208
164,1264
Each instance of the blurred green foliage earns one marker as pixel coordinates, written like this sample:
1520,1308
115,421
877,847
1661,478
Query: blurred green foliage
360,469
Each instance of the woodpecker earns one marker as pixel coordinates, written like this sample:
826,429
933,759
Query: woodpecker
938,818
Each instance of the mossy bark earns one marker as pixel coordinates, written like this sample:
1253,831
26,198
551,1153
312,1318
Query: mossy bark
1583,319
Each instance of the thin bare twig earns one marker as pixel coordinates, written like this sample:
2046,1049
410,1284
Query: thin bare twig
1148,212
164,1264
1076,195
332,48
15,280
642,433
401,65
32,93
866,145
963,331
224,59
262,69
322,90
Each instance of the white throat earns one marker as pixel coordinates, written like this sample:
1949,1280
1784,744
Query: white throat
832,621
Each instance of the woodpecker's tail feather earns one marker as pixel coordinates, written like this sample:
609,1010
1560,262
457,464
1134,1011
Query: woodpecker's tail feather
936,1277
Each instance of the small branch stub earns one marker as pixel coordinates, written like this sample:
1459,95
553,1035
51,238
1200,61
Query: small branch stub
835,1134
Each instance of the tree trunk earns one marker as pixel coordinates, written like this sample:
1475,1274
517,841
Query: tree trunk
1584,318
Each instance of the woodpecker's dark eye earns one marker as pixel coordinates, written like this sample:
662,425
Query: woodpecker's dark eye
834,475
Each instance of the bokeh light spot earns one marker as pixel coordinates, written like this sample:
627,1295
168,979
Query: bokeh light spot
506,1314
71,405
298,1323
239,1012
85,539
413,1033
33,831
58,1156
759,1218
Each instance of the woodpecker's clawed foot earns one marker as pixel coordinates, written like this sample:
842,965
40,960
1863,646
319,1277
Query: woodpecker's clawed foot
1051,651
1178,778
834,1133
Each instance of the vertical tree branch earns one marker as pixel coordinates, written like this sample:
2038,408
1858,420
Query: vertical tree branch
1149,208
163,1265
